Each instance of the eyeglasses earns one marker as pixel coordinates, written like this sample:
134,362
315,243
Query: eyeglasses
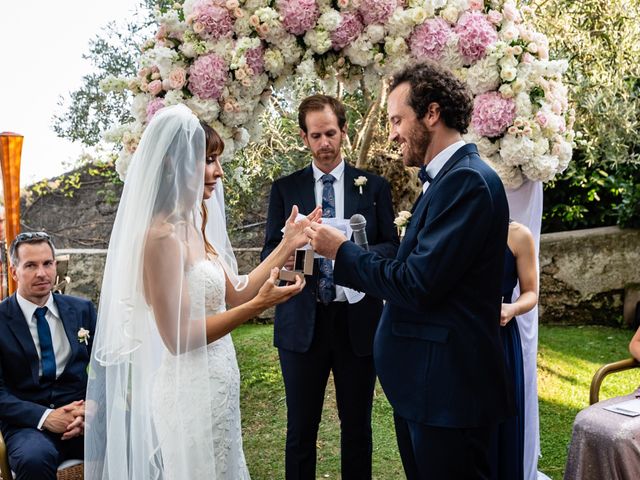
29,236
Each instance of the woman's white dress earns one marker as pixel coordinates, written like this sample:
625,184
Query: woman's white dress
182,431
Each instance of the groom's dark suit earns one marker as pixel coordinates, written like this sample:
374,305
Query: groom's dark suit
437,349
313,339
24,397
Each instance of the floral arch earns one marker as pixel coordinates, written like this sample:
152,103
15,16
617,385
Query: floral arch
223,58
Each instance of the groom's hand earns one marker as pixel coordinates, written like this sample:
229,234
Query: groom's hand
324,239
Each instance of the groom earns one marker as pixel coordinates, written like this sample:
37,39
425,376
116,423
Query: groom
437,349
319,330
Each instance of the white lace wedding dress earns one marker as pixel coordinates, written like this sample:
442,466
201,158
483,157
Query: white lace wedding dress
180,432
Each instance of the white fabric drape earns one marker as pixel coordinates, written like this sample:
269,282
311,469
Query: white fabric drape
525,207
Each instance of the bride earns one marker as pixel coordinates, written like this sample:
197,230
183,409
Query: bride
163,391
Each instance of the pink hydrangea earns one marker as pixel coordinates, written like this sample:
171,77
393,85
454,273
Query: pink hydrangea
298,16
476,33
153,106
255,59
430,39
492,114
207,76
349,29
376,11
211,21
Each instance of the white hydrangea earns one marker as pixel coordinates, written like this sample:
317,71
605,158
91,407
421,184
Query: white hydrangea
516,149
486,147
241,138
307,71
173,97
375,33
451,57
139,107
483,76
290,49
360,51
252,5
242,27
511,176
542,168
523,105
122,164
329,20
162,57
400,23
318,40
206,110
273,61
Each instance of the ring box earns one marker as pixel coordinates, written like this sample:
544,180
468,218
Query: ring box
302,265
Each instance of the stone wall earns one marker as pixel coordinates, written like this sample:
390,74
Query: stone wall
585,274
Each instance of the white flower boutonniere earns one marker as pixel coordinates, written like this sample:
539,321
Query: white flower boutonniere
401,222
360,182
83,336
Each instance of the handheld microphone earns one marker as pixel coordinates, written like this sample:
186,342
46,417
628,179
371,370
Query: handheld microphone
358,225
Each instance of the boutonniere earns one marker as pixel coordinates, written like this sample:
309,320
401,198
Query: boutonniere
360,182
83,336
401,222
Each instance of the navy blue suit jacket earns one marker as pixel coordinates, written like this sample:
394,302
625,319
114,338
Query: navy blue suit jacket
23,397
295,319
437,350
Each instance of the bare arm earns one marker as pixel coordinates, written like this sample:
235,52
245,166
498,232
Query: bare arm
634,345
294,237
164,277
520,242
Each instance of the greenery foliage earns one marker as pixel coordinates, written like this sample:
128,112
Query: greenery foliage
601,39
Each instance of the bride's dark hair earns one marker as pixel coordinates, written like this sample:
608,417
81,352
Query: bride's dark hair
214,146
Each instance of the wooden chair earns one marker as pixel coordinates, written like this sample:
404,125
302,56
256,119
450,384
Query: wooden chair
68,470
609,368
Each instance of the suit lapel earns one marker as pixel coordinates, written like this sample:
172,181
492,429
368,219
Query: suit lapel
422,202
351,193
307,191
20,329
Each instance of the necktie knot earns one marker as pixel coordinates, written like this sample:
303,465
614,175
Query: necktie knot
327,179
423,175
41,312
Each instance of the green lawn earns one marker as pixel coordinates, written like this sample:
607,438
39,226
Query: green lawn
568,357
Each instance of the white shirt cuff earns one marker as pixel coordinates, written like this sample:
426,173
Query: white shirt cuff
44,417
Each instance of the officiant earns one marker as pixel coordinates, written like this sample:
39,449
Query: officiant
325,328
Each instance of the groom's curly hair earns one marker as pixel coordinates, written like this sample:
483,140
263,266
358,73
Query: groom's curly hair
430,83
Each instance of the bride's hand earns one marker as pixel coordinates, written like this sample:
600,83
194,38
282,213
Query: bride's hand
294,236
270,295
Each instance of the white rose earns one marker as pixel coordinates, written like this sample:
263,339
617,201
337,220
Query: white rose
375,33
330,20
508,74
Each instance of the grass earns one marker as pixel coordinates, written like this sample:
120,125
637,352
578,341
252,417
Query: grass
567,359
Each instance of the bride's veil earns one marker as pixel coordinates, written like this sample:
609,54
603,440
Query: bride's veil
148,406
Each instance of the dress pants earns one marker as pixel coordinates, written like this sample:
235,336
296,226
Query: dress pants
440,453
35,454
305,379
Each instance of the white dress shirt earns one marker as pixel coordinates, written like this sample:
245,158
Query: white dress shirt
437,162
61,346
338,189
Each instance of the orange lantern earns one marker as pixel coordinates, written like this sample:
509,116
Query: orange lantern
10,153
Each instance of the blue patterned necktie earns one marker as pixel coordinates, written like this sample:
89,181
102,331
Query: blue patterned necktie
326,287
423,175
46,345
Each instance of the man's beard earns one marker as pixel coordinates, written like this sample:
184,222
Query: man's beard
417,144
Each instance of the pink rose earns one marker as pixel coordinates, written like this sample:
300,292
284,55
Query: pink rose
511,13
155,87
542,119
494,17
178,78
232,4
476,4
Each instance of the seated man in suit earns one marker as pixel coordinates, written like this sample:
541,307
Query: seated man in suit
45,344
